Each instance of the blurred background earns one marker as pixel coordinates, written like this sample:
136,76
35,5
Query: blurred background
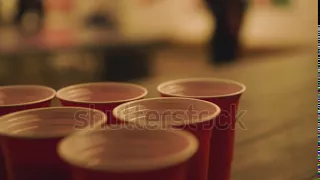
270,45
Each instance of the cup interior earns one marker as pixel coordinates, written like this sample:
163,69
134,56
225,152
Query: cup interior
167,111
50,122
128,149
24,94
201,87
102,92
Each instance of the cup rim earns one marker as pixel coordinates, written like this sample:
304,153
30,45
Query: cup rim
31,102
8,134
60,91
166,83
168,161
207,118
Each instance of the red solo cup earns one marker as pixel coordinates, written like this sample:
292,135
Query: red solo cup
22,97
29,139
195,116
226,94
121,152
103,96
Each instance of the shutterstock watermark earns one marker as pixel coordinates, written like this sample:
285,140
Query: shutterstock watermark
89,119
188,117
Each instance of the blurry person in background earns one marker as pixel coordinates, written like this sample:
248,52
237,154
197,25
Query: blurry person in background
229,16
25,6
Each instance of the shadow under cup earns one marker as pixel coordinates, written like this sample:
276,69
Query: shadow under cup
29,139
104,96
192,115
22,97
128,153
226,94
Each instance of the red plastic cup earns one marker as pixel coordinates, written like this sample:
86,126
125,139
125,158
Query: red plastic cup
103,96
195,116
121,152
22,97
226,94
29,139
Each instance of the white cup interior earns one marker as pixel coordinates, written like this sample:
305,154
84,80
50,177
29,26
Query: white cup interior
201,87
166,111
102,92
25,94
50,122
122,149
